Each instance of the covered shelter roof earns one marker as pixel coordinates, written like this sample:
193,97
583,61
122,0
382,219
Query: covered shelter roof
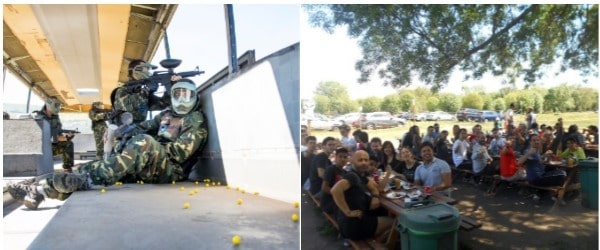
80,52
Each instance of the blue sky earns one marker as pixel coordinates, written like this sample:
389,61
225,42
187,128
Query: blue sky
197,35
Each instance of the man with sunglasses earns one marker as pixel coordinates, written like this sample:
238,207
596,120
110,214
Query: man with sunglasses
61,142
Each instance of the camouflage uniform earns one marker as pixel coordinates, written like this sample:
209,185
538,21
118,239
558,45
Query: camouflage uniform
138,102
63,148
99,118
151,159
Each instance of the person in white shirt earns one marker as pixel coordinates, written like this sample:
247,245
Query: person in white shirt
460,149
530,117
480,157
508,117
347,141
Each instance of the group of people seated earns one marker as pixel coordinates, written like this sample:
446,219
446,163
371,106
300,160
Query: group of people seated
348,178
346,173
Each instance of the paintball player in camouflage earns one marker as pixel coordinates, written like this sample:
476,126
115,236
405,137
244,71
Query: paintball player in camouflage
154,157
139,101
61,143
99,116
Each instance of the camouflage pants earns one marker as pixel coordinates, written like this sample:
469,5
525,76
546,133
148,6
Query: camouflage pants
65,149
99,138
48,185
143,157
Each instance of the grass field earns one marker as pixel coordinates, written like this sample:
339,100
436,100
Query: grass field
582,119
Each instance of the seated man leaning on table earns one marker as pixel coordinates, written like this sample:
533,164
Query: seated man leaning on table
355,195
536,170
433,172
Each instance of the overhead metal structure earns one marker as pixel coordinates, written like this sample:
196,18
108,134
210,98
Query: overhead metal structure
80,52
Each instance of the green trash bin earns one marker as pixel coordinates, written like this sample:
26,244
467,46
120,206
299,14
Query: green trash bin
433,226
588,170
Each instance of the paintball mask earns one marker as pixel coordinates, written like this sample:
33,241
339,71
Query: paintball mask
98,105
53,104
142,70
183,96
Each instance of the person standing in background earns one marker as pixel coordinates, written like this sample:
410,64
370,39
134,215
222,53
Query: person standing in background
99,116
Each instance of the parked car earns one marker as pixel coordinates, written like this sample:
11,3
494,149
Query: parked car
320,122
377,120
466,114
420,117
487,115
400,120
347,118
439,116
406,115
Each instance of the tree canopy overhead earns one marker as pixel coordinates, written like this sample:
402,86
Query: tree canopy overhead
401,42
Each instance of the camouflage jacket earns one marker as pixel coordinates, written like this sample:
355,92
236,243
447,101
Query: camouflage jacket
138,103
53,120
181,135
98,117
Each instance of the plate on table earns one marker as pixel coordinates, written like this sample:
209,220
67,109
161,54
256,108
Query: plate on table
395,195
392,195
555,162
414,194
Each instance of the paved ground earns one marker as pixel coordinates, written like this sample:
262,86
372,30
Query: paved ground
510,221
135,216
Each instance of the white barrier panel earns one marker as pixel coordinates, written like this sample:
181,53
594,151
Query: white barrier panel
257,148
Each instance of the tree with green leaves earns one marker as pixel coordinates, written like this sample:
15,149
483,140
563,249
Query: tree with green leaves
449,102
392,103
370,104
332,98
432,103
586,98
430,42
472,100
406,100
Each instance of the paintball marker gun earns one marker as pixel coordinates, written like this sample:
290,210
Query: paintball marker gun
67,131
161,77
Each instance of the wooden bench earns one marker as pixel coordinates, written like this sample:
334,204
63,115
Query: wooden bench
331,220
469,171
367,244
356,244
314,199
468,223
559,190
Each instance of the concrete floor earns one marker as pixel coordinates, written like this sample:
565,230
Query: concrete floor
135,216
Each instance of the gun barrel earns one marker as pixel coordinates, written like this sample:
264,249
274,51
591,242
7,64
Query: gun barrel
190,73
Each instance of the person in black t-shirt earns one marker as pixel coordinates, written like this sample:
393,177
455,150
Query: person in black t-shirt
355,195
442,151
319,163
306,158
333,174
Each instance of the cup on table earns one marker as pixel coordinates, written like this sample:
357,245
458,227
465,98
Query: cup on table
427,189
397,183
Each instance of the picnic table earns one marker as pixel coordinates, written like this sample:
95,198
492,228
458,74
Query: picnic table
568,184
395,205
